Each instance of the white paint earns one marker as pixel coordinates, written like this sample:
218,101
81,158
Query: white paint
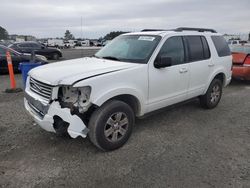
153,88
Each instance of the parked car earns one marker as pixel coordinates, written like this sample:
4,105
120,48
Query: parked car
28,47
70,43
17,58
237,42
241,62
135,74
57,43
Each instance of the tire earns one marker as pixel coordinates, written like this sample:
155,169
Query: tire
213,95
55,56
61,127
117,118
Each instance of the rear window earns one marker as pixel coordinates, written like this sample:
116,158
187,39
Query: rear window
221,46
198,48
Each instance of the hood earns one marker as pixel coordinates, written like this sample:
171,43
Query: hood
71,71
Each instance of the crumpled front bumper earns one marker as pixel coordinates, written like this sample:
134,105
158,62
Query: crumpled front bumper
76,125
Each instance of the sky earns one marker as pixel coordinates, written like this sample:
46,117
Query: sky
51,18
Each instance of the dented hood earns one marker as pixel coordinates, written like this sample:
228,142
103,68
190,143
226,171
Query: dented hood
70,71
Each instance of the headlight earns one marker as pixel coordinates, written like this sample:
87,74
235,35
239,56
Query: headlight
76,96
42,57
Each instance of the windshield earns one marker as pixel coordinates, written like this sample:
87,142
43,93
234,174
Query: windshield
4,49
130,48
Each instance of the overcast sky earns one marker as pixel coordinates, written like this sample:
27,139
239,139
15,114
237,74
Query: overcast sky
50,18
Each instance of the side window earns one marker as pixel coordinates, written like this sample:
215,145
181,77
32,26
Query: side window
37,46
173,47
23,45
221,46
195,48
206,51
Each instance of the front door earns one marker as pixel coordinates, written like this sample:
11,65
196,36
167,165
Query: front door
169,85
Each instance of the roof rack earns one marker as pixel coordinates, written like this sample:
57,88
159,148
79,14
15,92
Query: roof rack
195,29
146,30
182,29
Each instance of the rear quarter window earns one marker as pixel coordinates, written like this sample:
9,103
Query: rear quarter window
221,46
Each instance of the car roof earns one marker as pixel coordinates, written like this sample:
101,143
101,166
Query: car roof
177,31
27,42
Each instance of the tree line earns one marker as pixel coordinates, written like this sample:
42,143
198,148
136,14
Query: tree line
4,35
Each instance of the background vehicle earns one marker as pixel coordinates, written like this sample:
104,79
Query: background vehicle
29,47
17,58
84,43
57,43
135,74
237,42
70,44
241,62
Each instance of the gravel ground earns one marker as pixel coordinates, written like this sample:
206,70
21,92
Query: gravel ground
184,146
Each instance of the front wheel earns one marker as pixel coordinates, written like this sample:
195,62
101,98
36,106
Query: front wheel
55,56
213,95
111,125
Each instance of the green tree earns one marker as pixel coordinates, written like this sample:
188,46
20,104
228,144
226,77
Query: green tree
3,33
113,34
68,35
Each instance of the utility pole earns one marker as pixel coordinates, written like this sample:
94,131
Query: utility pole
81,38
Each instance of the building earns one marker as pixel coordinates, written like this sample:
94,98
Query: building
22,38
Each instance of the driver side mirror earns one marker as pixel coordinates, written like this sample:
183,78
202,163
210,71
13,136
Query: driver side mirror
43,47
162,61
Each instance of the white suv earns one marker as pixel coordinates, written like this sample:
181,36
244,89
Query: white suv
133,75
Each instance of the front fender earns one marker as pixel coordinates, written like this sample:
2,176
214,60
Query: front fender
103,97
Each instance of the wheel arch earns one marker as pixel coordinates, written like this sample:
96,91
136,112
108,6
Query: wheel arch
131,98
218,75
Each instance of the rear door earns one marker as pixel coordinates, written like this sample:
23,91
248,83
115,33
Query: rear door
201,65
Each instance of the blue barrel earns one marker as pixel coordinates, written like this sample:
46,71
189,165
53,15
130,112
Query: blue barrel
25,67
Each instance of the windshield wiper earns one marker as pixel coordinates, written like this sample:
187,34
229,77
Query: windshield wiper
111,58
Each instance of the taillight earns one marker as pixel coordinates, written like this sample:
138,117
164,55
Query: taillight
247,61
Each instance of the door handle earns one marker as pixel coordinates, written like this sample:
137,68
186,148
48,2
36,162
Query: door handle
211,65
183,70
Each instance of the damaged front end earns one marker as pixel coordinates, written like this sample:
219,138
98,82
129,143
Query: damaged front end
64,113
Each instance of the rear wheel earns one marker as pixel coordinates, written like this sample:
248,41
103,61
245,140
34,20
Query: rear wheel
213,95
111,125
